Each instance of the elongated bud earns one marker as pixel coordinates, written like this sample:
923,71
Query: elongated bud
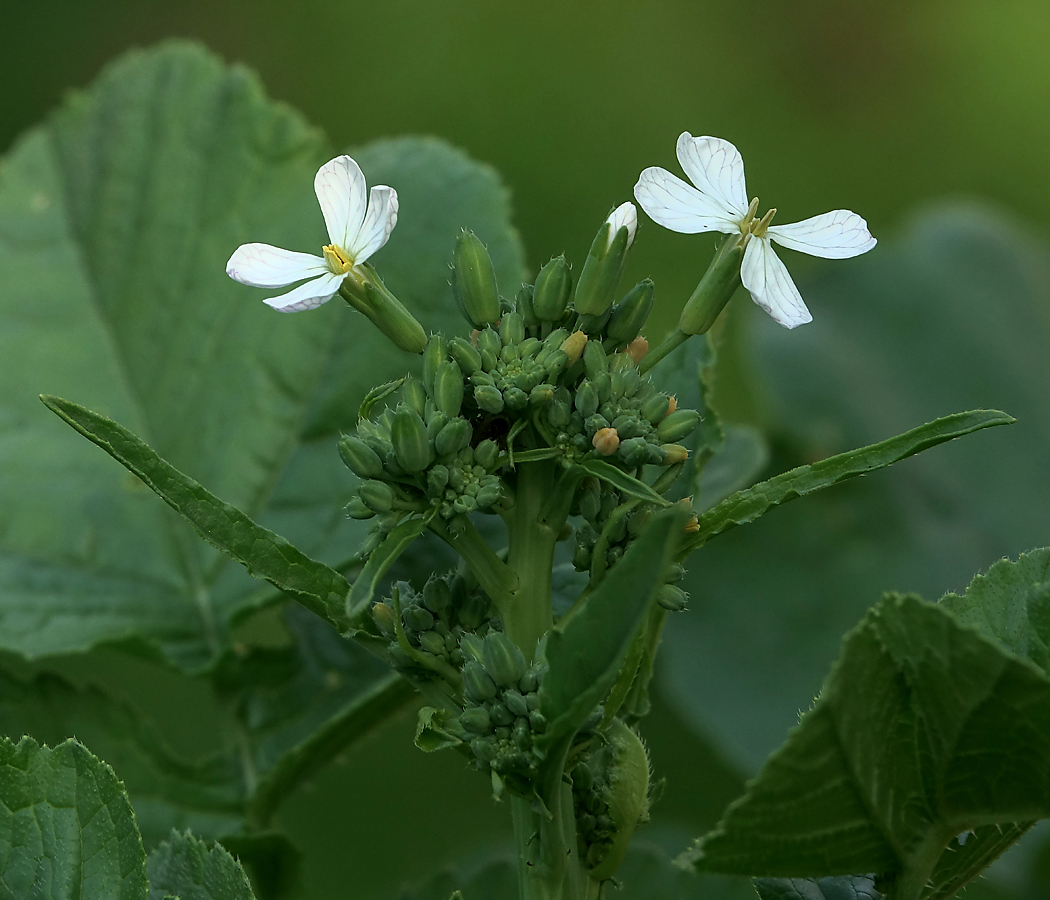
433,357
485,453
448,389
358,509
477,682
512,329
489,342
672,598
677,425
594,359
361,459
474,283
674,453
573,346
630,314
715,289
655,408
550,298
524,305
503,660
384,618
467,357
414,394
453,437
377,496
601,273
408,434
489,398
606,441
637,349
365,292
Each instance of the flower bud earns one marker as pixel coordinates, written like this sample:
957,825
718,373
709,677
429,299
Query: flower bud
437,596
483,749
515,702
489,398
601,272
418,619
606,441
573,346
477,682
590,498
512,329
448,389
674,453
629,315
715,289
486,453
474,282
553,287
556,363
638,348
414,395
433,357
500,714
472,646
384,618
655,408
503,660
361,459
538,721
524,305
672,598
634,452
453,437
586,399
541,394
466,356
677,425
357,509
515,398
594,359
530,682
408,434
376,495
476,719
489,342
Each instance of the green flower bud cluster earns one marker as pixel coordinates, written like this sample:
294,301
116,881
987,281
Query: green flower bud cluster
435,623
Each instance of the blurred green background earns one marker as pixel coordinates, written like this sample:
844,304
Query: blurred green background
879,107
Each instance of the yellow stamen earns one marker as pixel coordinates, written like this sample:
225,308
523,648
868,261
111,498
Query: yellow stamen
759,228
338,260
749,216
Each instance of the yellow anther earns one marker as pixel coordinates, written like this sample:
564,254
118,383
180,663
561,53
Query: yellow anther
749,216
759,228
337,259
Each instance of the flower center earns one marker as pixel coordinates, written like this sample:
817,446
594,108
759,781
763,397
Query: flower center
338,260
758,228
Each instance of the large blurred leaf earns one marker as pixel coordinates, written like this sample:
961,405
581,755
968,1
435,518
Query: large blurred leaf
68,829
167,792
190,869
844,887
116,219
954,315
926,730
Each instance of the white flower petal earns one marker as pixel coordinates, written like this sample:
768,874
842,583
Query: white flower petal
670,202
261,265
624,216
307,296
341,191
379,222
771,287
838,234
717,169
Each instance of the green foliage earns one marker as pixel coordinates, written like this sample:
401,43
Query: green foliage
190,869
68,828
927,728
845,887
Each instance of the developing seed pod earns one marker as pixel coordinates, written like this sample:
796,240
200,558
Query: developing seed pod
465,355
453,437
376,495
384,618
477,682
629,315
448,389
414,395
524,305
476,719
408,434
672,598
503,660
553,287
433,357
655,408
512,329
677,425
358,509
486,453
489,398
474,281
361,459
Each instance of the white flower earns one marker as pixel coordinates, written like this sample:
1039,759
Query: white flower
358,224
719,203
624,216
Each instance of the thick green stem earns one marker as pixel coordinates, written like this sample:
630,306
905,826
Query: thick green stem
669,345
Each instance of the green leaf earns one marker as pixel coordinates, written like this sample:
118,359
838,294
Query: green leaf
167,792
844,887
746,506
741,459
271,860
431,733
68,829
379,562
116,221
264,554
586,649
619,479
926,729
949,314
190,869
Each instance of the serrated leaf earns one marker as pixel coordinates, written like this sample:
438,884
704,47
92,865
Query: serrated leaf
166,791
191,869
68,828
431,733
926,729
746,506
116,220
264,554
844,887
586,649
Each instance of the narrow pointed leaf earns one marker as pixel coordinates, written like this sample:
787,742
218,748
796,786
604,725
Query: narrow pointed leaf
746,506
379,562
264,554
585,652
623,482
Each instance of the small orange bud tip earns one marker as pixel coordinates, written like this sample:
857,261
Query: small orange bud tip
606,441
672,405
474,337
638,348
573,345
692,526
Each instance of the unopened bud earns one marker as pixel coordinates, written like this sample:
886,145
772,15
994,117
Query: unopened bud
414,394
477,682
361,459
384,618
408,434
524,305
475,281
573,346
677,425
437,595
638,348
376,495
601,272
655,408
489,398
512,329
606,441
630,314
594,359
715,289
476,719
553,287
465,355
358,509
672,404
433,357
503,660
672,598
448,388
586,399
453,437
674,453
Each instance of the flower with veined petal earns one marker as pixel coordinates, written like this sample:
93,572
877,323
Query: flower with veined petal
358,222
718,202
